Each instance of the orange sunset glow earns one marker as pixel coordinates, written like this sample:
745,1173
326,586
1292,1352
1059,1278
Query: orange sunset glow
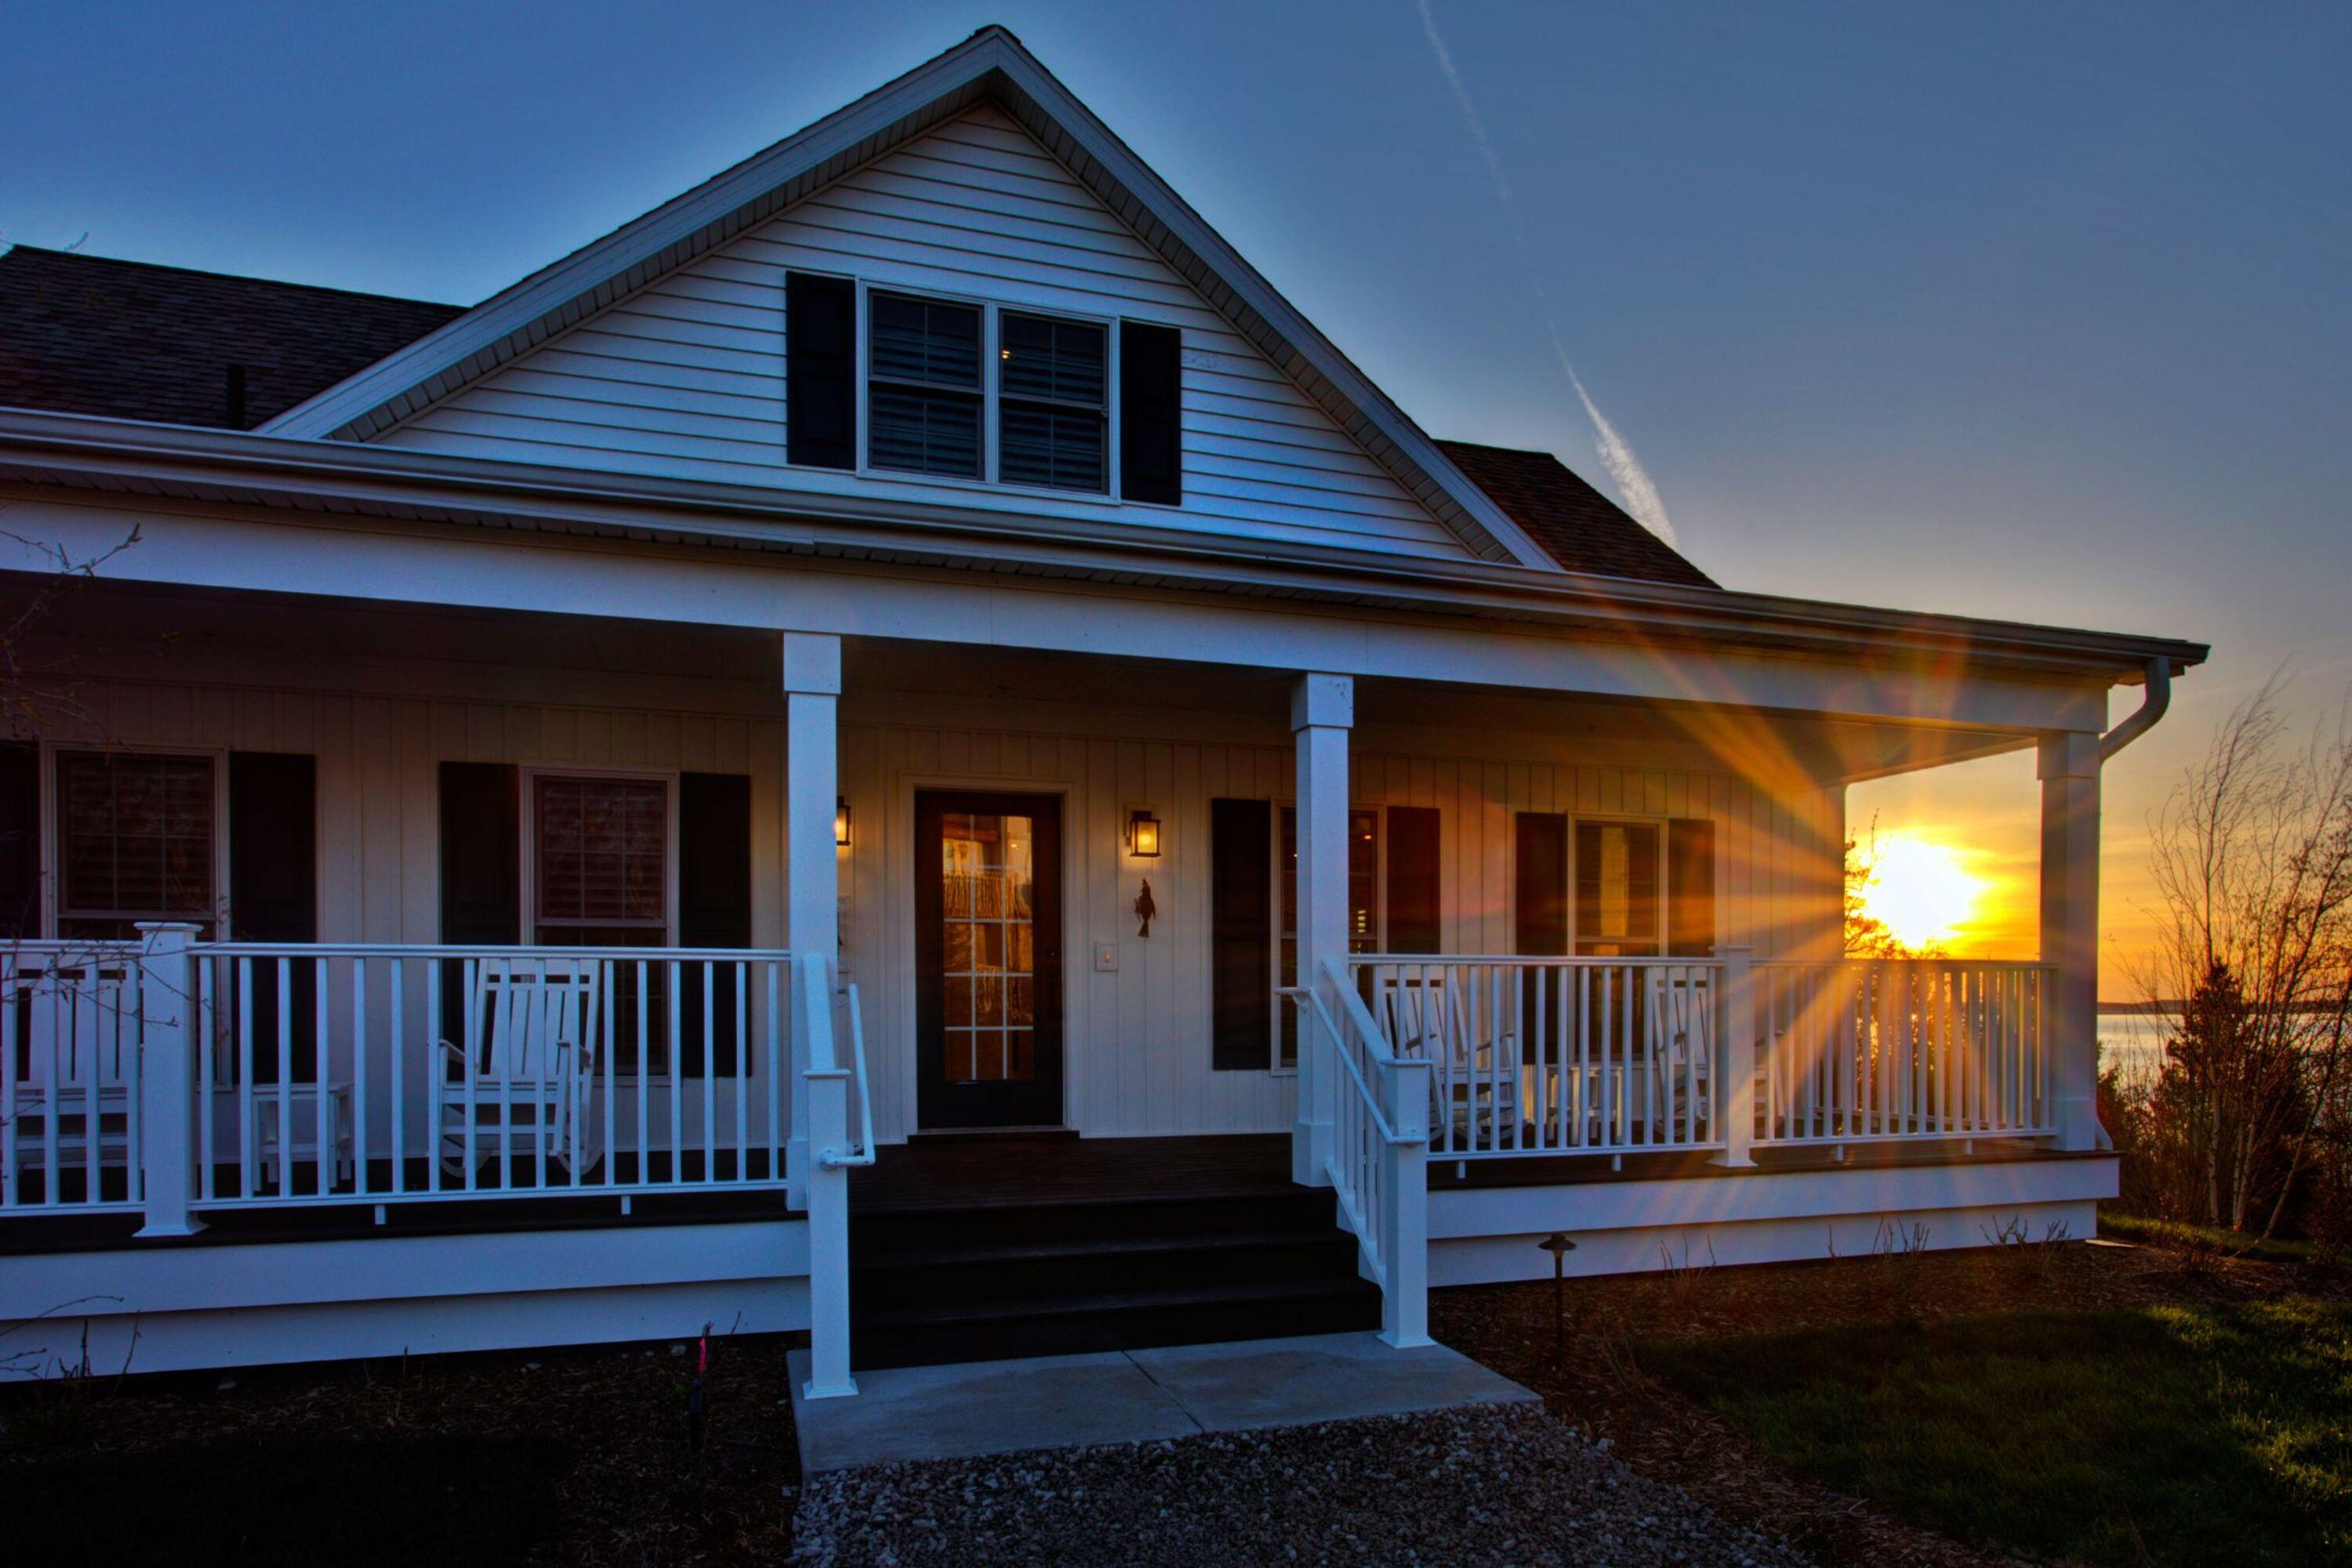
1925,892
1959,858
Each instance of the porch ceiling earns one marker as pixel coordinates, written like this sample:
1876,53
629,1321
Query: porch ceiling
326,642
121,625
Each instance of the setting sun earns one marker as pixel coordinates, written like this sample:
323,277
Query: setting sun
1922,892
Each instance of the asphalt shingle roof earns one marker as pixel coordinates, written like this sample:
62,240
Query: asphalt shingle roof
1578,526
86,334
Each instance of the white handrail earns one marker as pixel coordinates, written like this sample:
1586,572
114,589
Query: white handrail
863,1154
1375,1156
1305,996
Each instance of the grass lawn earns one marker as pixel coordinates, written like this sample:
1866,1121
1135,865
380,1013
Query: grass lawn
2179,1233
2172,1433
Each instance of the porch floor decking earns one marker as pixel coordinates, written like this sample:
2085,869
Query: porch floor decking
521,1206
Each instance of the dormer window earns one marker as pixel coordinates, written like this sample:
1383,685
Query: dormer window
923,390
1053,416
886,382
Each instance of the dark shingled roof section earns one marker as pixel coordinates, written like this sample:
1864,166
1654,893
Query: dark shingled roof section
1578,526
85,335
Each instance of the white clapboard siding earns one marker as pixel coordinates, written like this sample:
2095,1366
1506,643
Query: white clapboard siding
686,377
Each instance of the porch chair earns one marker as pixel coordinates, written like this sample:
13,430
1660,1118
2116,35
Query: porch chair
72,1041
1474,1084
530,1062
1686,1066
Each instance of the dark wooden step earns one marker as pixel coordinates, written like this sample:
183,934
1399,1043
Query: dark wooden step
1069,1325
1306,1210
989,1272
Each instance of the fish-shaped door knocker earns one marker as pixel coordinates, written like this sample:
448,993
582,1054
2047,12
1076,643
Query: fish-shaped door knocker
1145,908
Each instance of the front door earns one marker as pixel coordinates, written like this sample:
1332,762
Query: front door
988,959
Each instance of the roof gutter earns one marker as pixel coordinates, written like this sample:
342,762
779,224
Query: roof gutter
336,481
2151,709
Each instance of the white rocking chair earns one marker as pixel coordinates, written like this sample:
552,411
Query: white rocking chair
71,1043
524,1086
1474,1084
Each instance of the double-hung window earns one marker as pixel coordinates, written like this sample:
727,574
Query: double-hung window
600,853
1617,890
1053,418
136,841
923,390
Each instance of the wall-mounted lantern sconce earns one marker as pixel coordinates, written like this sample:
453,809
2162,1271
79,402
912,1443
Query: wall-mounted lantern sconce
1142,835
840,821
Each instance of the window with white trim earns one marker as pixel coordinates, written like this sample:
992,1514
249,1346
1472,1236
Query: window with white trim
923,387
1619,901
136,839
1052,407
1363,909
600,851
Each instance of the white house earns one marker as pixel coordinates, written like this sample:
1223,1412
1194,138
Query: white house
901,748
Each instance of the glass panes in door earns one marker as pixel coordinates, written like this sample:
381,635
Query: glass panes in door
988,947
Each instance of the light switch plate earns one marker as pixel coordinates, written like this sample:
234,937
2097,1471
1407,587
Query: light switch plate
1106,956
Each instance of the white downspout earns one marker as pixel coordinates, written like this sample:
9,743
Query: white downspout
2151,709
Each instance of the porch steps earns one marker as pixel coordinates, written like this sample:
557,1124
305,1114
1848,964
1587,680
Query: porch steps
957,1281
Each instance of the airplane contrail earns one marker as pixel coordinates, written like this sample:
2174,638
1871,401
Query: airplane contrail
1634,485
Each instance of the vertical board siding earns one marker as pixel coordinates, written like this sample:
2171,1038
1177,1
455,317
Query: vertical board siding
379,760
684,377
1138,1038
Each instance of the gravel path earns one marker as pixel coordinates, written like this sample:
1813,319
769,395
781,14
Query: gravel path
1478,1485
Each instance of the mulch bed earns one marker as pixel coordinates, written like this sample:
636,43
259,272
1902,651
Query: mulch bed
1602,1389
604,1432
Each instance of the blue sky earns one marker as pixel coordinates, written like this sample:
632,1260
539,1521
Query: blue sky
2025,310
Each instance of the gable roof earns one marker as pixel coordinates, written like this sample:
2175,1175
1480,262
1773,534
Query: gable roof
991,64
1578,526
86,334
130,340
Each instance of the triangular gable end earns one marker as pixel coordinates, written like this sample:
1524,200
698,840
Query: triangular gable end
991,67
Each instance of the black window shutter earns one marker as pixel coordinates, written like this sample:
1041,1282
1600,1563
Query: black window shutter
1150,413
273,895
1539,918
1690,887
273,847
820,371
481,854
20,841
481,872
1414,901
714,910
1241,958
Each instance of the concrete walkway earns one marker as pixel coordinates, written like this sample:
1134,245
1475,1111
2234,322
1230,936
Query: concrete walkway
1129,1396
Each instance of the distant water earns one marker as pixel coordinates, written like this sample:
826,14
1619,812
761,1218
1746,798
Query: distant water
2134,1041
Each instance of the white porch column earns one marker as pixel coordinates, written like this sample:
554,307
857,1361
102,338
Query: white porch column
2069,771
163,1165
1322,711
811,672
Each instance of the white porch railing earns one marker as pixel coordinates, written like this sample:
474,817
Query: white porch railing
334,1073
223,1075
1551,1055
69,1075
1866,1051
1379,1143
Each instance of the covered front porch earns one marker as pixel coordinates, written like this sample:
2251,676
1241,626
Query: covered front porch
1403,931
